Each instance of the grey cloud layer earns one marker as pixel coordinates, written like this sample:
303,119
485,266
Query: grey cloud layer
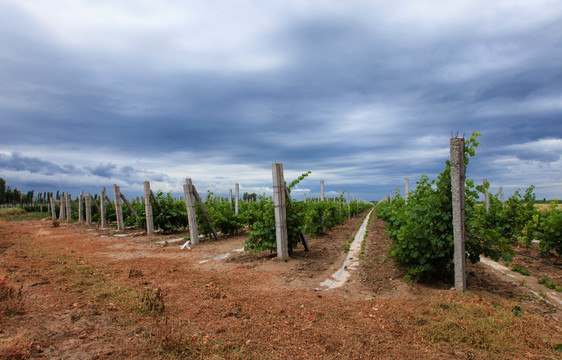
365,80
35,165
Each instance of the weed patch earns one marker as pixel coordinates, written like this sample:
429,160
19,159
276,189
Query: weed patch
521,270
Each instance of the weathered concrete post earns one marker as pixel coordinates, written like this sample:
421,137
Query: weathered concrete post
102,209
191,215
62,210
486,195
148,208
322,199
279,202
118,207
407,190
304,197
88,206
230,197
68,208
53,208
80,207
501,195
457,183
236,200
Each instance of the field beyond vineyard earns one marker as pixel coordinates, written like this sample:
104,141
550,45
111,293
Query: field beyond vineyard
78,292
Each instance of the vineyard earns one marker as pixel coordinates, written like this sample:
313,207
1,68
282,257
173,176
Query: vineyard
256,215
421,226
69,285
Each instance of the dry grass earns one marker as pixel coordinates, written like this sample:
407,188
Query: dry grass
485,327
545,207
16,347
11,299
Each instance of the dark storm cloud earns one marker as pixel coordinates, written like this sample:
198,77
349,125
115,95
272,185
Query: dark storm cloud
545,157
17,162
104,170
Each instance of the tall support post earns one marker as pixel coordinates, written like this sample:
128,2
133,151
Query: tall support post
88,205
80,207
501,195
322,199
68,208
486,195
236,200
62,206
102,208
118,207
304,197
279,202
148,208
191,217
230,197
407,190
457,184
53,208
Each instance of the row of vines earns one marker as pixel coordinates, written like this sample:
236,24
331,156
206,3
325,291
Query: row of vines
422,233
312,216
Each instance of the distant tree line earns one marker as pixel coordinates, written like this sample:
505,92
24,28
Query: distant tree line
14,196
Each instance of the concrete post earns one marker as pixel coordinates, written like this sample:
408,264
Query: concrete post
236,200
62,212
322,199
191,215
53,208
80,207
486,196
118,207
88,206
501,195
148,208
280,212
407,190
68,208
230,197
457,183
102,209
304,197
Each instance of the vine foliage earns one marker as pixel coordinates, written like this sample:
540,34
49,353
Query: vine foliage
422,229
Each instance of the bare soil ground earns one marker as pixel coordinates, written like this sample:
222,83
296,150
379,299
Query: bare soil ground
79,292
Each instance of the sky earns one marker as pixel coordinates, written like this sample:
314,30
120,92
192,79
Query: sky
361,93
